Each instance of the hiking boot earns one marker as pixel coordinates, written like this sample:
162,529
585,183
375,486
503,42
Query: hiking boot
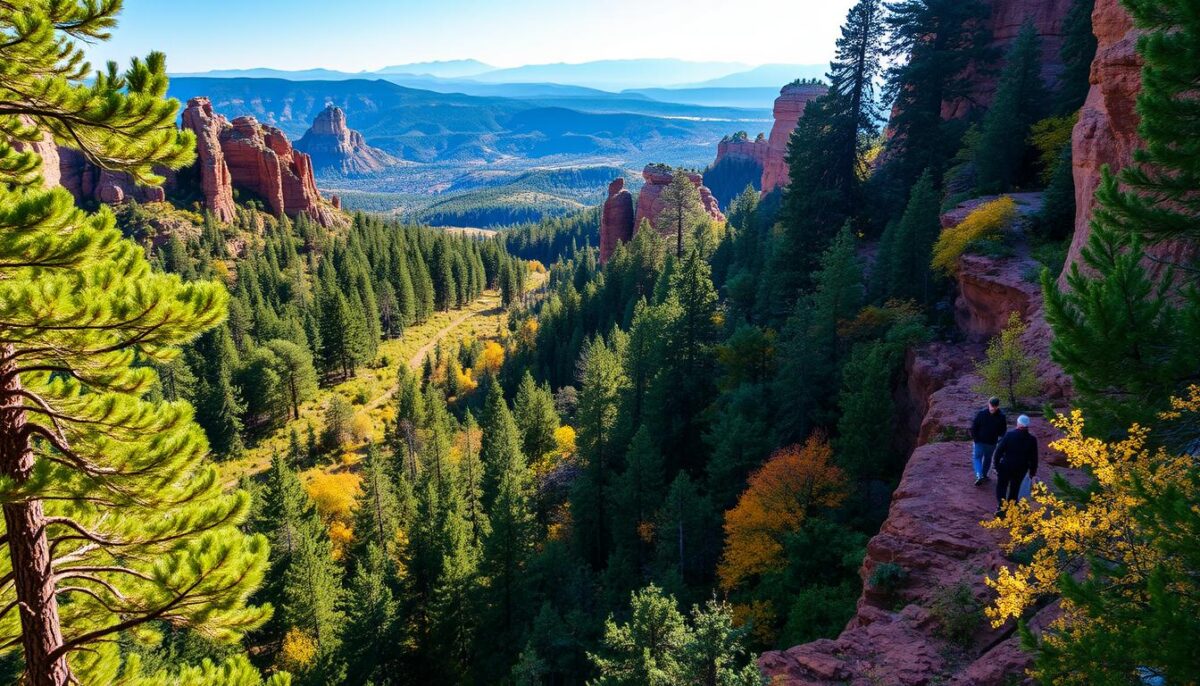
979,481
999,513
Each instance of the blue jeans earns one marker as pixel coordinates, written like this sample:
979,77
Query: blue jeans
981,456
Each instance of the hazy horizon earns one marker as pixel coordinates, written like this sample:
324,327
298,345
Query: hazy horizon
366,35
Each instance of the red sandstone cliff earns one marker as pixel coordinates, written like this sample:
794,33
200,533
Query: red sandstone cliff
740,147
255,157
789,107
335,147
932,529
215,182
86,181
1004,23
657,177
616,219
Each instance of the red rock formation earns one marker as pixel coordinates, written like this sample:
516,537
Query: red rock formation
45,149
657,177
215,181
86,181
261,159
336,201
335,147
1005,22
740,147
789,107
932,529
616,219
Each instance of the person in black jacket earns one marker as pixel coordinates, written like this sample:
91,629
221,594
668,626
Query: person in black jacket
1016,455
986,429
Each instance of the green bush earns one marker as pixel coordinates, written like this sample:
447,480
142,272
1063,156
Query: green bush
958,612
887,579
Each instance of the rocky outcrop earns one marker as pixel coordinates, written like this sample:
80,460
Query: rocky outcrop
932,530
45,149
740,147
616,219
334,147
1004,23
789,107
657,177
86,181
215,181
246,155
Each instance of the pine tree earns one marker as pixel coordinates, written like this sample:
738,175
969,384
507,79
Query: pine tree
501,450
218,409
376,510
1002,158
932,44
1125,341
681,210
601,381
533,410
470,471
637,492
93,473
372,615
343,338
1156,197
1077,51
296,374
867,413
904,266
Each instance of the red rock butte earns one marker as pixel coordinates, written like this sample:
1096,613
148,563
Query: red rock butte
657,176
333,146
616,219
789,107
740,147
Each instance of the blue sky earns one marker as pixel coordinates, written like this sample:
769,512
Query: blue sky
355,35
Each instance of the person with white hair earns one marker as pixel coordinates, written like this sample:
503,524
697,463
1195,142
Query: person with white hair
1016,455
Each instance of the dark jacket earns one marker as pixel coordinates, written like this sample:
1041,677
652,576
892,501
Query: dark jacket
987,428
1017,453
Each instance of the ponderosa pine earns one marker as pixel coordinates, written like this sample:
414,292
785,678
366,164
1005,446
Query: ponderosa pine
113,516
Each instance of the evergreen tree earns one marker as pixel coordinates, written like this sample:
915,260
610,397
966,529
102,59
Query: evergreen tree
867,413
933,45
601,382
297,377
371,621
343,338
681,210
1002,158
501,450
636,497
470,472
533,410
376,510
1077,51
218,409
907,246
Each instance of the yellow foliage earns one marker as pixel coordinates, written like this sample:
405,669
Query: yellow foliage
986,221
564,440
340,535
298,651
1066,533
775,503
536,267
761,616
466,382
1050,136
333,493
221,271
360,427
527,334
491,358
645,531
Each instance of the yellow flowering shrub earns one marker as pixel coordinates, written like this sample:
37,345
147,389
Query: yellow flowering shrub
1050,136
298,651
986,221
1066,532
492,358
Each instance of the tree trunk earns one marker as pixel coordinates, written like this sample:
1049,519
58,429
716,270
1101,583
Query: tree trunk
25,523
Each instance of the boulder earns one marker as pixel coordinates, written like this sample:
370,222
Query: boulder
216,184
657,176
789,107
616,219
334,147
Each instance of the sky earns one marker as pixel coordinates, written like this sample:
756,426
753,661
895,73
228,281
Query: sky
358,35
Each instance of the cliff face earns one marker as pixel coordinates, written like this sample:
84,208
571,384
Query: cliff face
215,182
657,177
932,530
1004,23
257,158
616,219
335,147
86,181
742,148
789,107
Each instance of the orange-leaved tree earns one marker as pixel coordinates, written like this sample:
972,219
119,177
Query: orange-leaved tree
777,500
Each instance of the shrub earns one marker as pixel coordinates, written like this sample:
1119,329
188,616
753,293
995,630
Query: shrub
958,612
986,221
1008,371
1050,136
887,579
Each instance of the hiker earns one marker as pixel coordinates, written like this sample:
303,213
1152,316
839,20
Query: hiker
986,429
1016,455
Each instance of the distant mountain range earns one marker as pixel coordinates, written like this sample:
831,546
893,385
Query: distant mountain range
712,84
